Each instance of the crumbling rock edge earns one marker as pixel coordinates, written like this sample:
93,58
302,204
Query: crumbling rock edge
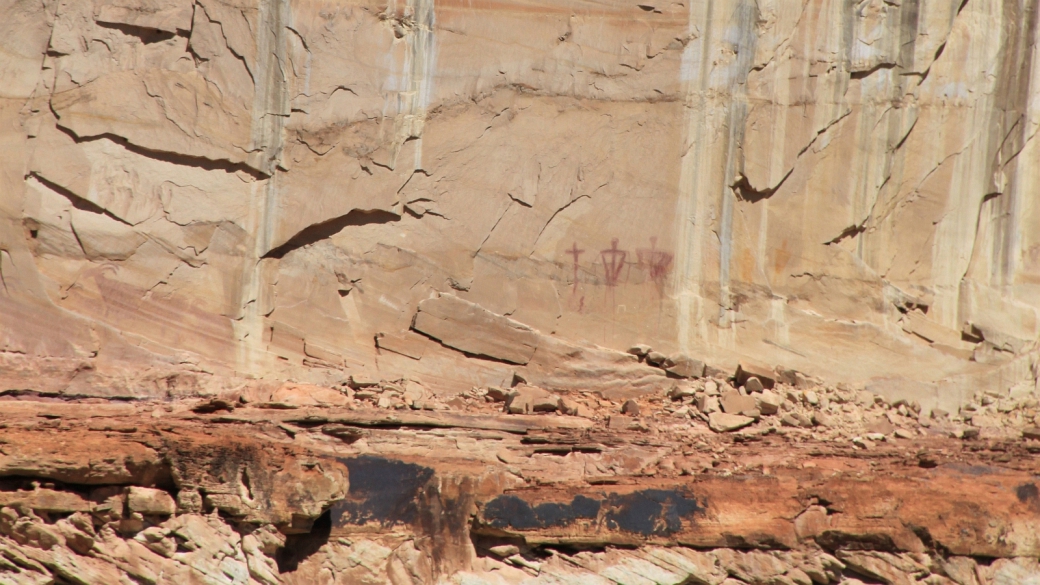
355,485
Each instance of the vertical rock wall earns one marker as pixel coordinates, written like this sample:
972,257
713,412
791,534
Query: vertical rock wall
267,187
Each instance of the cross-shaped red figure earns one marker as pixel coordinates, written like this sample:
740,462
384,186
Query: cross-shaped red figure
574,251
615,264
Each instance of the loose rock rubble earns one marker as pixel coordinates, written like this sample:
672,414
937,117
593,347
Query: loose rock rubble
291,483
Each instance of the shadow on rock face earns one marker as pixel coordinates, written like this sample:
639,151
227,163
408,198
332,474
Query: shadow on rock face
300,546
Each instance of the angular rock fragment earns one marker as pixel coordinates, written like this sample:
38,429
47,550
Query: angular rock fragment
681,391
656,358
796,419
721,422
768,402
150,501
684,366
630,407
639,350
747,370
823,419
526,399
733,403
707,404
497,394
753,384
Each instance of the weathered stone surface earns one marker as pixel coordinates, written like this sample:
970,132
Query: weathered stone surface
278,184
165,15
150,501
735,403
526,399
473,329
753,384
238,218
707,404
684,366
167,111
768,402
530,485
722,422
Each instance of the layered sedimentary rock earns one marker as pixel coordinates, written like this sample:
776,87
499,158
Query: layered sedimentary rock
725,291
267,484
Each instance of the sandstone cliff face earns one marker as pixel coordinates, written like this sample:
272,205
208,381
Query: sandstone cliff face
266,187
719,292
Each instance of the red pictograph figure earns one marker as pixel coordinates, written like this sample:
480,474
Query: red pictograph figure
574,251
657,262
613,266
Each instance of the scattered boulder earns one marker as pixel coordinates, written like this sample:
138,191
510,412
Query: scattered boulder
823,419
413,393
967,433
746,370
711,388
882,426
684,391
526,399
684,366
639,350
1031,433
630,407
361,380
707,404
734,403
721,422
497,394
150,501
753,384
768,402
796,419
655,358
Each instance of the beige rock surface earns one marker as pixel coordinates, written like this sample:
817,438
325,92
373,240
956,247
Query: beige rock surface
265,187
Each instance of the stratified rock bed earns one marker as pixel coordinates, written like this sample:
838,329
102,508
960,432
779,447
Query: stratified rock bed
381,481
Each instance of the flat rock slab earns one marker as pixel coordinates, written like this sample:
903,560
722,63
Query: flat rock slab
734,403
722,422
473,329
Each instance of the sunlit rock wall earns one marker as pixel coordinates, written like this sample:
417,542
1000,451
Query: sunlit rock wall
267,187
